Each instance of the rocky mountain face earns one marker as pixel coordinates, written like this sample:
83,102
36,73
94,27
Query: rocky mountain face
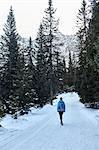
67,43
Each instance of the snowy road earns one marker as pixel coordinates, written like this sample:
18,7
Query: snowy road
80,130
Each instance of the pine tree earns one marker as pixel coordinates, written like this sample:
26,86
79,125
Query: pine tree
74,61
93,55
70,70
30,73
41,68
82,24
50,30
21,90
58,71
65,75
62,74
90,76
11,66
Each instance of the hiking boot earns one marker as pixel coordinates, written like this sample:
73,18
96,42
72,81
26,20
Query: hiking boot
62,123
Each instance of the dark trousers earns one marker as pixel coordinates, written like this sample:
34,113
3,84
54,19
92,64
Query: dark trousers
61,116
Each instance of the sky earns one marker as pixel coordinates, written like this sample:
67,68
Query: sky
29,14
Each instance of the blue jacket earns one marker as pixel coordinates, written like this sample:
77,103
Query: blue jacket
61,106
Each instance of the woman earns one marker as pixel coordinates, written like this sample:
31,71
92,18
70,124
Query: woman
61,109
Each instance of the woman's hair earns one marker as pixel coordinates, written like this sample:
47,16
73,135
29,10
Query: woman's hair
61,98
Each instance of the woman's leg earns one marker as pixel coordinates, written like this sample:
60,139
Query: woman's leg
61,114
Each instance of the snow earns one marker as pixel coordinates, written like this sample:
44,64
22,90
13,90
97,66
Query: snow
41,129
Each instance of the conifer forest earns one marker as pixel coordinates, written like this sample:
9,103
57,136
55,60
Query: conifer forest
33,72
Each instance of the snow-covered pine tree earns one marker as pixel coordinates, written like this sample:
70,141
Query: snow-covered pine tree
50,31
65,74
62,74
75,66
41,68
58,71
82,24
30,74
93,55
1,78
11,65
70,70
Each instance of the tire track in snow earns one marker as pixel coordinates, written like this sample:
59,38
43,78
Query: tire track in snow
33,132
78,132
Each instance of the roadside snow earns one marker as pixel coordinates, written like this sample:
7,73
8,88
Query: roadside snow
41,129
